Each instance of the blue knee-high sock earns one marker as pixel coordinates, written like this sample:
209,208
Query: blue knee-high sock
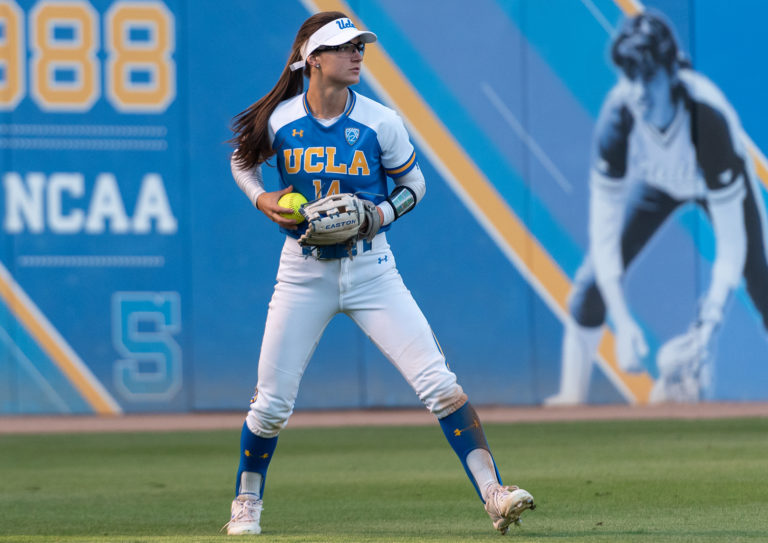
464,432
255,454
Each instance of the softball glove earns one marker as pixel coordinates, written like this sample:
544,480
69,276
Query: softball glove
683,368
335,219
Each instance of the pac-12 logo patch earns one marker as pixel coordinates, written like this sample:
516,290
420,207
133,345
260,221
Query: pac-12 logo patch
352,134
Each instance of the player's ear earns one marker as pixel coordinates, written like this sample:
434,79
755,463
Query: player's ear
313,61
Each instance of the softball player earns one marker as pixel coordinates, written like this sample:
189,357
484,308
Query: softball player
665,136
331,140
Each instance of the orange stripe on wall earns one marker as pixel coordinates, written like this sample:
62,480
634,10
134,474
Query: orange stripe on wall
630,7
534,257
760,166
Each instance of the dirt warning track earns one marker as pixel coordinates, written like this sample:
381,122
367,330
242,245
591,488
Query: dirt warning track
369,417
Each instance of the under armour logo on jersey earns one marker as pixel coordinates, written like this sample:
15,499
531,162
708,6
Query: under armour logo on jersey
351,135
383,258
299,132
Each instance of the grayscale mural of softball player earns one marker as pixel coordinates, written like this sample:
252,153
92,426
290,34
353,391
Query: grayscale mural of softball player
666,136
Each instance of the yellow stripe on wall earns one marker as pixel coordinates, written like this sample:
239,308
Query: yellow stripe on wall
539,265
760,166
27,314
629,7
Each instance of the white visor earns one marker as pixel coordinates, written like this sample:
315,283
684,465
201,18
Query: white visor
334,33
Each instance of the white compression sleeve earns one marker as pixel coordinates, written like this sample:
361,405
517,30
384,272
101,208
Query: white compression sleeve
415,181
249,181
606,216
480,464
727,212
250,483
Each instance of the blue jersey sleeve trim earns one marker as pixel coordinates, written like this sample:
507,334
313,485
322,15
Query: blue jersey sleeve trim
404,168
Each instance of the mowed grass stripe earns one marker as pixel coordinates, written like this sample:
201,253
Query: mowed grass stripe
659,481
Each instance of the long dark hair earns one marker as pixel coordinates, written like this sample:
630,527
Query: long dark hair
251,136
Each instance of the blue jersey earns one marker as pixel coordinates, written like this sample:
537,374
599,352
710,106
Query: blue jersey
354,154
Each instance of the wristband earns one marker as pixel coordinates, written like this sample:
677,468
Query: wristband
402,200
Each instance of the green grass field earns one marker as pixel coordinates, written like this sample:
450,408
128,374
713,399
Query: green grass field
650,481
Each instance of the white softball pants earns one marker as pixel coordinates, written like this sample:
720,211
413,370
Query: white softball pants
368,288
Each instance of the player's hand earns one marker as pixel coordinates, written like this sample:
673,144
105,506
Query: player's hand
372,221
631,347
267,204
381,218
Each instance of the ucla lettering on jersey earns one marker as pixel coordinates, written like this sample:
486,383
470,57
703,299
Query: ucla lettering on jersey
323,160
354,153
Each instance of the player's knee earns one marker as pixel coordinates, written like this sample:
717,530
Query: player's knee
588,308
439,390
449,404
585,303
266,419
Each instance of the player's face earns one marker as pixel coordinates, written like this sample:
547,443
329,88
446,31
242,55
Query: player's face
650,92
342,65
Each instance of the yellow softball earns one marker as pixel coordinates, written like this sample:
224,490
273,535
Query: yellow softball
292,200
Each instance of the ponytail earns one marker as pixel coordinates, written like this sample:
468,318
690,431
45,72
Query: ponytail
251,133
250,126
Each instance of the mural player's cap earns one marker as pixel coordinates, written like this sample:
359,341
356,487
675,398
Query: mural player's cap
334,33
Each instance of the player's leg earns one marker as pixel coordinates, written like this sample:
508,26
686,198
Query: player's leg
581,336
756,265
646,210
385,310
464,432
304,301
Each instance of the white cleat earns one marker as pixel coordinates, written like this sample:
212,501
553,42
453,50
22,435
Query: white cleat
246,514
505,504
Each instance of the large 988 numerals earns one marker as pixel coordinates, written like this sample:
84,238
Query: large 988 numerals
61,55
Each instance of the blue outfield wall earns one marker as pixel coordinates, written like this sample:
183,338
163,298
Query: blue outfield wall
135,276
